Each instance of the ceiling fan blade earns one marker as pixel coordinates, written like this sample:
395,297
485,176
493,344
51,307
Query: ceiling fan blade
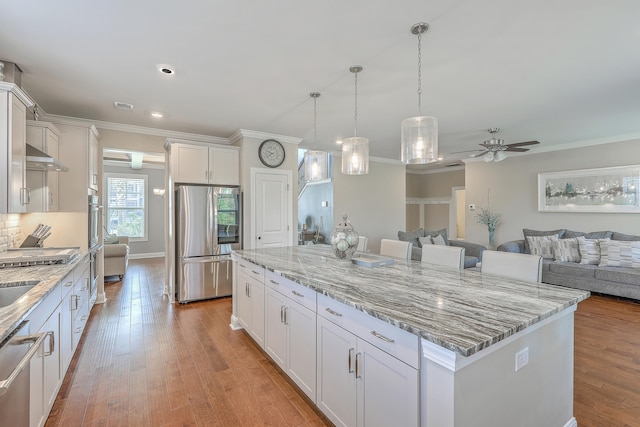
514,149
480,154
520,144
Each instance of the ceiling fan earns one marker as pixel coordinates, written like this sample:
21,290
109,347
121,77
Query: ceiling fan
494,148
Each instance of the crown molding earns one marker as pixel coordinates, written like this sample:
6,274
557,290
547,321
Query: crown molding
244,133
21,94
75,121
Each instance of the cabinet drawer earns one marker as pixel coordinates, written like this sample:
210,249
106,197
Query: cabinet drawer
45,308
292,290
67,284
79,322
80,269
388,338
251,270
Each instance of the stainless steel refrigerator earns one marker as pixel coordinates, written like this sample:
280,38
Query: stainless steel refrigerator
208,228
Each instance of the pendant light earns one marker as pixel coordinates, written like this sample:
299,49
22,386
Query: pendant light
419,136
315,162
355,150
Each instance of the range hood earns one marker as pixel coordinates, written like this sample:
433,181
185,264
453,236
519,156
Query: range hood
40,161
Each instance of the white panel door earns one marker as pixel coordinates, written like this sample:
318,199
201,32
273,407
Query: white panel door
272,210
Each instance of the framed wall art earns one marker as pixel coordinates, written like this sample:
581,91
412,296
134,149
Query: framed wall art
605,190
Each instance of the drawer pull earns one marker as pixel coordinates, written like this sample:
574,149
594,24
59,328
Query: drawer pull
335,313
68,284
351,350
255,272
298,294
78,330
382,337
274,282
242,266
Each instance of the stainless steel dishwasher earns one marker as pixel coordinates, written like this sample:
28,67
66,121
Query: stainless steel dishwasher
15,354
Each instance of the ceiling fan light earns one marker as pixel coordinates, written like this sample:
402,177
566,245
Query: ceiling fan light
419,140
500,156
355,156
488,157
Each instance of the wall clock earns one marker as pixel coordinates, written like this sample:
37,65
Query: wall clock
271,153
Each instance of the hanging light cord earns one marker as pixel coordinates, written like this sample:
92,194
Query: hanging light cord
420,74
355,116
315,121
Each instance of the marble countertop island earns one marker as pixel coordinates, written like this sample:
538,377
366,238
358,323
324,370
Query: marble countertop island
47,276
461,310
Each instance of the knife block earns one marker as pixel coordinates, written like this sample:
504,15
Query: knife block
31,242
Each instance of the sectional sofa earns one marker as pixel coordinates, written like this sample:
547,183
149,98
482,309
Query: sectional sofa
605,262
472,251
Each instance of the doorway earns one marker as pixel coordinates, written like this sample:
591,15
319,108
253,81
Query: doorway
272,214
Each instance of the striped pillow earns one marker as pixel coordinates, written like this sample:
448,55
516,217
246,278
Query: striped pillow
589,250
614,253
542,245
566,250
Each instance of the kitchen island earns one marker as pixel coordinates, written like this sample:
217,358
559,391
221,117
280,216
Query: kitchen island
484,350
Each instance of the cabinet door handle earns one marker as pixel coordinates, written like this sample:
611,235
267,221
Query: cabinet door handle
50,198
36,339
382,337
255,272
298,294
274,282
286,321
52,343
282,314
76,298
248,290
358,374
335,313
350,358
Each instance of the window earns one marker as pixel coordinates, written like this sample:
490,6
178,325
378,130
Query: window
126,205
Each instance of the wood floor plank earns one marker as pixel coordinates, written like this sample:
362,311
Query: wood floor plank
145,362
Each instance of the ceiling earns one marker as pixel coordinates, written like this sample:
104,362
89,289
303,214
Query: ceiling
558,72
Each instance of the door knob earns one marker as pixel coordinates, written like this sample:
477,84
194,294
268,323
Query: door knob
259,237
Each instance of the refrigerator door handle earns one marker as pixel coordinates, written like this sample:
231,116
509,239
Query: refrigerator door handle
199,259
214,229
210,224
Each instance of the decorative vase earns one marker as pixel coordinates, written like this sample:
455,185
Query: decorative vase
344,239
492,242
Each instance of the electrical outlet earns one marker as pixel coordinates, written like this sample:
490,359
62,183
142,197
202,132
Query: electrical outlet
472,207
522,358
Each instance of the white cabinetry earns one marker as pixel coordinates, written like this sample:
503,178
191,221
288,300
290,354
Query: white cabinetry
366,372
14,193
66,326
251,300
77,150
202,164
43,184
290,335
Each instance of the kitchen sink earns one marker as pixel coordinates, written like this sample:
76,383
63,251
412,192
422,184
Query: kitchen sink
10,292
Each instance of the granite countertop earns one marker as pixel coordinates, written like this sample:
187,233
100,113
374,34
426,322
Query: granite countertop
48,276
461,310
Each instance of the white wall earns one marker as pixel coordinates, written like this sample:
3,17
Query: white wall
514,191
375,203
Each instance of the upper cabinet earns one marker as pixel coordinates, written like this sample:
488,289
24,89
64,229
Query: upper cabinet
43,184
78,150
204,164
14,192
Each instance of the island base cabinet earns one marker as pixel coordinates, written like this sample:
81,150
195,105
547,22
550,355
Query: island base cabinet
361,385
250,297
290,339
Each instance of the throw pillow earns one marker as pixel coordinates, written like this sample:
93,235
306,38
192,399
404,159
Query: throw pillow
527,232
542,245
615,253
589,250
426,240
411,236
442,232
566,250
439,240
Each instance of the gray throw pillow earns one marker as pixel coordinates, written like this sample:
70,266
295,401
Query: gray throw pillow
528,232
624,237
442,232
592,235
439,240
426,240
412,236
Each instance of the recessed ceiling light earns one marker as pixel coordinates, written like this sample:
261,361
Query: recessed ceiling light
123,106
157,115
338,141
166,69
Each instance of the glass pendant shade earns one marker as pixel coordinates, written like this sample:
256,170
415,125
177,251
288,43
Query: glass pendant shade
419,140
355,156
499,156
488,157
315,165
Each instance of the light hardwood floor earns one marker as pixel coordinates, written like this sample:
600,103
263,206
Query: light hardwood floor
145,362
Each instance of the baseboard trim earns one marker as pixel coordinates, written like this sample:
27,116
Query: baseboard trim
147,255
235,323
572,423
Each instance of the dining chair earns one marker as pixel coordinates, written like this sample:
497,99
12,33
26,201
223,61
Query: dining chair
395,248
363,243
513,265
449,256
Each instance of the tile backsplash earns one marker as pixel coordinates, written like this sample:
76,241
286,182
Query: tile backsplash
10,231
